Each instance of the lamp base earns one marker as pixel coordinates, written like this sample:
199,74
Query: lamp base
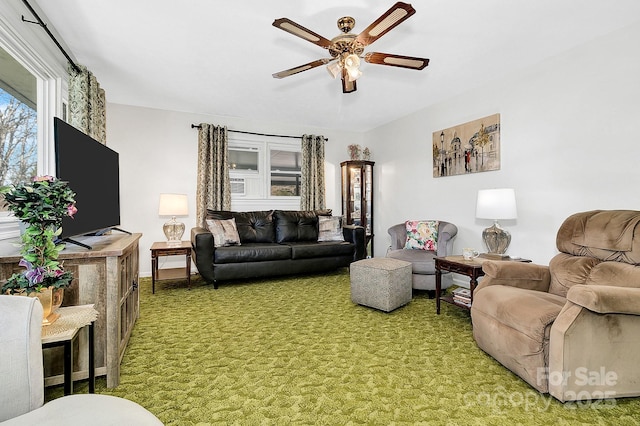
174,231
496,239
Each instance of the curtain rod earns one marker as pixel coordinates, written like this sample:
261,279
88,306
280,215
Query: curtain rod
195,126
43,25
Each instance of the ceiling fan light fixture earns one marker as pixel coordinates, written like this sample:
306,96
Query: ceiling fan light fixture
334,69
352,65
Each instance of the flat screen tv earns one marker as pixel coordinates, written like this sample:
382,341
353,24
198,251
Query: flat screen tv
92,171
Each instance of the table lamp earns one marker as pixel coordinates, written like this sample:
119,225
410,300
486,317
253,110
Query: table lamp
496,204
173,205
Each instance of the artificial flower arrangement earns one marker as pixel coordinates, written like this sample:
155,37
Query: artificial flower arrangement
41,205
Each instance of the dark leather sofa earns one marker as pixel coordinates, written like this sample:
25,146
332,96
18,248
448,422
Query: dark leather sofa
273,242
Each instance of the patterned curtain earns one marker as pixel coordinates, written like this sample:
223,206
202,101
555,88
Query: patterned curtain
312,185
87,104
214,186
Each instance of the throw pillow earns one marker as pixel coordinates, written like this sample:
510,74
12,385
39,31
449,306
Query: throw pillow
422,235
330,228
224,232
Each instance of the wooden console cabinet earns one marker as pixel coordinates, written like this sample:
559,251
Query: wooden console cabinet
106,276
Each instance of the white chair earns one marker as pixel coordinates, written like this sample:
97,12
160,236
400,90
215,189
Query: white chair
22,373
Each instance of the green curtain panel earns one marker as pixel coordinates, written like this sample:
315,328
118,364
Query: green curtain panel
312,184
87,104
214,187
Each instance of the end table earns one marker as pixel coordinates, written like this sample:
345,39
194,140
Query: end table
64,331
165,249
471,268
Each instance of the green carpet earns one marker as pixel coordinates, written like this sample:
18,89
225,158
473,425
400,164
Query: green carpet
298,351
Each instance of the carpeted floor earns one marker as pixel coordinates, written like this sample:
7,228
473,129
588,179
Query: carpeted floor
298,351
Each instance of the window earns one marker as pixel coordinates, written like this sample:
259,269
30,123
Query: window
265,172
243,158
18,122
286,173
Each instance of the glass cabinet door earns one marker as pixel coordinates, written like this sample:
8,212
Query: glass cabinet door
357,196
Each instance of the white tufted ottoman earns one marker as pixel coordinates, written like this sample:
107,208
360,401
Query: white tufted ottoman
381,283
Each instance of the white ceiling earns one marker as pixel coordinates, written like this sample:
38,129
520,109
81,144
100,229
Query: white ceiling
216,57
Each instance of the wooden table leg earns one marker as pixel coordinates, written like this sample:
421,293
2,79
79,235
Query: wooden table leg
189,270
92,367
68,367
154,271
438,289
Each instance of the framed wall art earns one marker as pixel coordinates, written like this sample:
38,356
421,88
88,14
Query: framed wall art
471,147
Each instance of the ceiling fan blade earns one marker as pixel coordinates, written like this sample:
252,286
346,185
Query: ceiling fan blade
393,17
396,60
298,30
296,70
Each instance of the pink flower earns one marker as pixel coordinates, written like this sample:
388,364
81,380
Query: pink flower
71,210
43,178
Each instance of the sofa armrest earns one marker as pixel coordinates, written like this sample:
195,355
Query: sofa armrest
203,249
355,234
515,274
606,299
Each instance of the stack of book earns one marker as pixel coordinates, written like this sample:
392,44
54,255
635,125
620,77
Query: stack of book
462,296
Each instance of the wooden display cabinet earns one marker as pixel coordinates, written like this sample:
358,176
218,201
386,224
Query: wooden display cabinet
357,197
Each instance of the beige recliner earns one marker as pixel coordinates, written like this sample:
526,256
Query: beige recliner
571,329
22,378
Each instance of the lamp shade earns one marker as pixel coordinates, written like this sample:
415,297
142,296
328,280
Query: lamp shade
496,204
173,205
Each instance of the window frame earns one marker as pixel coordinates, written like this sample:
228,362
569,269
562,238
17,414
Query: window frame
34,50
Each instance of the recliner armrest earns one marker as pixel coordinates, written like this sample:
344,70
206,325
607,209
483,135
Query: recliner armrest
355,234
606,299
515,274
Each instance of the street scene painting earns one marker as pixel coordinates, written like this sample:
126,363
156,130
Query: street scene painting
467,148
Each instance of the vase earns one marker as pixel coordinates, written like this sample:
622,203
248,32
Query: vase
50,299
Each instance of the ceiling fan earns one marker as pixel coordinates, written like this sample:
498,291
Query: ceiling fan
346,49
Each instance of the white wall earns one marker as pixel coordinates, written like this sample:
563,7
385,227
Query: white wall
158,153
569,144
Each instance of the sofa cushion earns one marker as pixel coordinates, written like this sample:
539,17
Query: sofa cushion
292,225
251,252
526,311
421,260
309,249
330,228
224,232
253,227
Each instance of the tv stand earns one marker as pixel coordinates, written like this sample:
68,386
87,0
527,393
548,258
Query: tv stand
107,277
95,234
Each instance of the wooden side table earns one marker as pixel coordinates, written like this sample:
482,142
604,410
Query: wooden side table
165,249
471,268
64,331
457,264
